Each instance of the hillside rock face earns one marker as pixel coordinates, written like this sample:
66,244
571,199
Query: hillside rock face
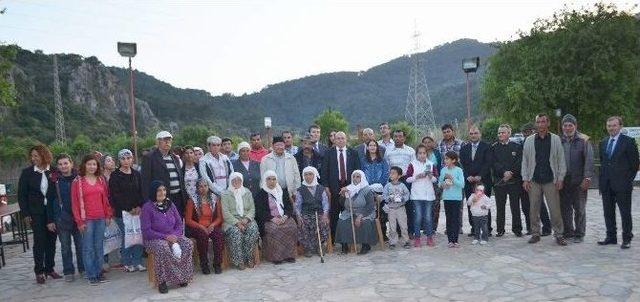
97,89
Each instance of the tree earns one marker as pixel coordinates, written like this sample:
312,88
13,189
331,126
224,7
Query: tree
7,90
583,62
411,135
194,135
331,120
489,128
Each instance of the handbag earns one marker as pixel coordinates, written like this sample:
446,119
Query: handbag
132,229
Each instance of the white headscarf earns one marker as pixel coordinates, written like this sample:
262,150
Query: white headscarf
275,192
310,169
237,193
353,189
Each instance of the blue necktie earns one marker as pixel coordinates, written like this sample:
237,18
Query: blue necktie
610,147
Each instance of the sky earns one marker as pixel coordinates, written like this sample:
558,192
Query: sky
242,46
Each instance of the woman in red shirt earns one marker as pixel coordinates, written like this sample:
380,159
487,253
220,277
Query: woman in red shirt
203,217
92,213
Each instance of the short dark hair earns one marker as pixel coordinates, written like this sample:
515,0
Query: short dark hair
187,147
255,134
397,169
63,156
400,131
82,170
314,126
226,139
383,123
452,155
422,146
287,132
542,114
446,126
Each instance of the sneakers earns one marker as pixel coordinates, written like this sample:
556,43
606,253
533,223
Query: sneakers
430,241
451,245
456,245
483,242
102,279
474,242
93,282
416,242
69,278
141,268
407,245
128,269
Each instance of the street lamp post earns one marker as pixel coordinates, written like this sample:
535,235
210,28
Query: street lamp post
469,65
130,50
267,126
559,117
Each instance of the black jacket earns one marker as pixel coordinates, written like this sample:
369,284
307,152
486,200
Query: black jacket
251,177
506,158
263,214
617,173
125,194
330,175
316,161
30,198
154,168
479,166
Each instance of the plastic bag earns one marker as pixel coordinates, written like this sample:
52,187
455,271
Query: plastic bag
112,238
132,229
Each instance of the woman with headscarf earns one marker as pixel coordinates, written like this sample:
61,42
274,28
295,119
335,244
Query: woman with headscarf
360,198
311,200
162,232
203,217
240,229
274,214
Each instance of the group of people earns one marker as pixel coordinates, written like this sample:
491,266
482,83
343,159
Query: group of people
288,196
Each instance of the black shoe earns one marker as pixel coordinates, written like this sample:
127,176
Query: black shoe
490,235
217,269
528,233
625,245
534,239
183,284
162,288
206,270
608,241
471,234
500,234
546,233
518,234
561,241
345,248
290,260
277,262
577,239
365,249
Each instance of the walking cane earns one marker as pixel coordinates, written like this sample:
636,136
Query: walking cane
319,241
353,225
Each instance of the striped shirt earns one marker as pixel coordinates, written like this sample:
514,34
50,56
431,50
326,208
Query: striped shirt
174,180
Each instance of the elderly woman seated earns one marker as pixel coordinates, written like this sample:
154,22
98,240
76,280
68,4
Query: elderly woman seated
203,217
240,228
312,203
359,211
274,214
162,232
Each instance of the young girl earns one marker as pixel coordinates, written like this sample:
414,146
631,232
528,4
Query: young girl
421,177
480,205
452,182
92,213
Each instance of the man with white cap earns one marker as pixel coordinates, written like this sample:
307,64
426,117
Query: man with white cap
249,169
215,167
160,164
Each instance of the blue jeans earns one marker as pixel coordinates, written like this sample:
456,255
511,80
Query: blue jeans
422,218
132,255
65,237
92,248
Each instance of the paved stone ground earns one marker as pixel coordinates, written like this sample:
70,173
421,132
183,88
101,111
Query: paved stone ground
508,269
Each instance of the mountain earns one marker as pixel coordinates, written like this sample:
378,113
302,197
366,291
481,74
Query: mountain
96,101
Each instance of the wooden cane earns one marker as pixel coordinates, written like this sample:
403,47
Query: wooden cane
319,241
353,225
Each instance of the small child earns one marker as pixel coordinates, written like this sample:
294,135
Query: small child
451,180
480,205
396,195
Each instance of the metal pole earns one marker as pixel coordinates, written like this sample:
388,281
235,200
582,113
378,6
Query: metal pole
468,104
134,133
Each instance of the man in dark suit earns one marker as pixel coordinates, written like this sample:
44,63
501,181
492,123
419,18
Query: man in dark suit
339,162
314,132
307,156
160,164
475,158
619,165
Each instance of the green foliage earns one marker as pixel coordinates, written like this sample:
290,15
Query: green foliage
412,136
195,135
489,128
14,149
584,62
331,120
7,91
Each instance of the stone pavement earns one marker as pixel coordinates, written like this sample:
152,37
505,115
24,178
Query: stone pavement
508,269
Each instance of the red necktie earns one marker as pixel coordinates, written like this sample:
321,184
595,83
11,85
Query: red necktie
343,172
